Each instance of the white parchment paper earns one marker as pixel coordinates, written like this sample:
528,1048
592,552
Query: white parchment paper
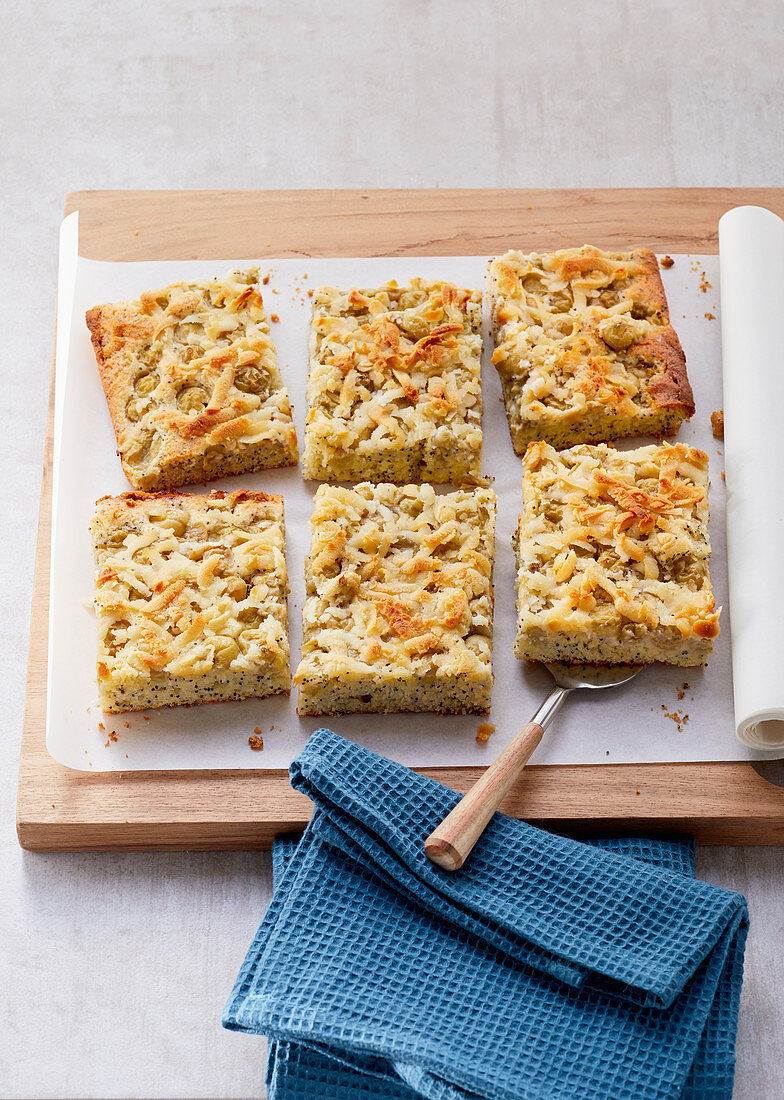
751,244
636,724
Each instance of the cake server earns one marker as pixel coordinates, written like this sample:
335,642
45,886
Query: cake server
451,842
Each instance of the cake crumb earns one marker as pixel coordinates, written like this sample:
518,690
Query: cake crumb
637,790
112,737
682,691
679,718
255,742
265,280
484,732
274,318
101,726
310,294
667,261
127,725
717,423
711,316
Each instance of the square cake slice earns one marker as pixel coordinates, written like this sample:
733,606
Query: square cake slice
399,607
190,595
584,347
192,383
394,389
612,556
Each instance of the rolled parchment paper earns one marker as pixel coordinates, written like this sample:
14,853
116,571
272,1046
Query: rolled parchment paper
751,253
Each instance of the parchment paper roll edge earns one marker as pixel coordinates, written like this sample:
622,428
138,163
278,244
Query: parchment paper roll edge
751,256
763,730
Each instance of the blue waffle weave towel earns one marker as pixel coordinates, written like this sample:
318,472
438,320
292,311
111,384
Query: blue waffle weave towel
547,969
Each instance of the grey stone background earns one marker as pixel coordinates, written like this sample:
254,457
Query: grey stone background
114,968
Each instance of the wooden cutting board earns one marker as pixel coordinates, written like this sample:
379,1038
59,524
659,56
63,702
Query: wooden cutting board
64,810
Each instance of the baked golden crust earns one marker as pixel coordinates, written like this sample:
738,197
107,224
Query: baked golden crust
190,595
613,556
584,347
192,382
394,389
399,607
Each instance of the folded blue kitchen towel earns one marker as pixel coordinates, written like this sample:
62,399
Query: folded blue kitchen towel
546,969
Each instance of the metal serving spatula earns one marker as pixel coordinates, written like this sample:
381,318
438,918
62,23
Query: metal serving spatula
451,842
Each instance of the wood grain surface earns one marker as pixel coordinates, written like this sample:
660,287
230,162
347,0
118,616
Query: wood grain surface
60,809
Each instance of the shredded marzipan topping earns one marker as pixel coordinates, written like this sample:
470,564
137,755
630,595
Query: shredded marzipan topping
394,365
186,585
608,537
399,580
578,327
198,367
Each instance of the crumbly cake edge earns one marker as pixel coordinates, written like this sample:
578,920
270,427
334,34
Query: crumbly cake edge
266,454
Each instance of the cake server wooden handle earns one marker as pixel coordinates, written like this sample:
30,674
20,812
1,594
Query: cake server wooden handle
451,842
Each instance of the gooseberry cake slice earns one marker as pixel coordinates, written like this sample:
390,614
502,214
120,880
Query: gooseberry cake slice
613,556
192,382
190,596
399,608
394,389
584,347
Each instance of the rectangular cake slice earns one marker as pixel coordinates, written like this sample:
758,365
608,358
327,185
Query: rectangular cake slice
192,382
584,347
190,595
612,556
399,608
394,388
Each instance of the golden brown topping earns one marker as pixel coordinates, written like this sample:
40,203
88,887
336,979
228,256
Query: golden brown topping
398,616
422,643
708,627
